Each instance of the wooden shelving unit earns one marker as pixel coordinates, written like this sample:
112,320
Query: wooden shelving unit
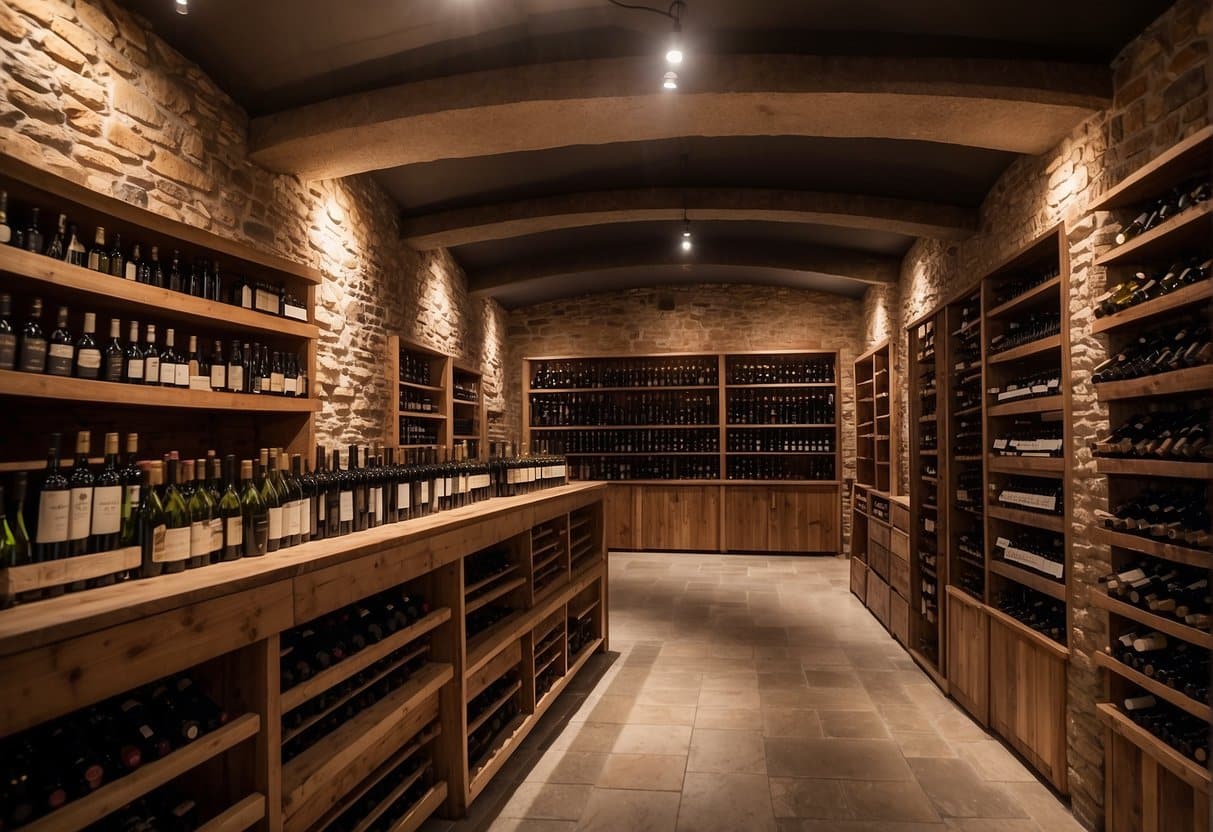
928,467
717,484
468,416
420,408
1169,790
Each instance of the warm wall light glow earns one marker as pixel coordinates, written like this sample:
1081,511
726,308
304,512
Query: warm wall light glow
671,81
686,243
674,55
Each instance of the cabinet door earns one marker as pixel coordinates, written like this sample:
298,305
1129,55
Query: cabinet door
619,509
679,517
747,517
803,521
969,655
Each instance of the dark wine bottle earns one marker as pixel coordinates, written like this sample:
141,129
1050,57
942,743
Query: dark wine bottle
112,360
88,354
106,521
254,516
61,351
152,522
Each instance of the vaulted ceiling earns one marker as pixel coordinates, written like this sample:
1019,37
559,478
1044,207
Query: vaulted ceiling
809,142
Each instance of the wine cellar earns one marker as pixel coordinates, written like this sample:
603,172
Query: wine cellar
594,415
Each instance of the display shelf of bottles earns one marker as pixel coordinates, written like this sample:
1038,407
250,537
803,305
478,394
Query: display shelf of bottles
1186,230
1195,707
1045,642
1038,466
1187,380
1033,519
1029,578
1154,468
400,793
1041,294
237,817
1176,301
1041,404
1138,543
1040,345
1170,626
35,579
1194,773
112,796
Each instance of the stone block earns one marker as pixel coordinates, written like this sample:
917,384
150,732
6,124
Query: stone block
90,157
43,11
84,90
95,19
11,25
179,170
42,107
124,137
85,43
63,52
126,98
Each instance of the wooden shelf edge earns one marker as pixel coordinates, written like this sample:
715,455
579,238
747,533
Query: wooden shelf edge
492,708
481,584
1187,296
493,594
1059,651
1041,583
1167,551
1052,522
1025,297
1191,772
1154,467
1028,465
397,792
1038,404
335,674
1186,703
1187,380
237,817
1177,224
1051,342
929,668
1170,626
424,808
965,598
17,579
114,795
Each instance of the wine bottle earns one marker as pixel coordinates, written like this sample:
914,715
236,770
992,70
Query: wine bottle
175,283
235,369
76,253
345,493
6,230
254,516
299,528
133,269
176,521
314,500
174,371
199,508
155,272
33,234
111,357
151,358
152,522
332,498
273,503
132,358
98,255
277,377
88,355
80,496
8,336
32,354
218,374
106,520
61,351
56,249
132,487
229,512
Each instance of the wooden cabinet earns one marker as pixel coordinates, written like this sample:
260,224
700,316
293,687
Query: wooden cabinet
781,519
619,512
899,618
748,511
968,664
859,578
678,517
878,598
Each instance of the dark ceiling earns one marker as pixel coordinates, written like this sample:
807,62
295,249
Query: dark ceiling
273,55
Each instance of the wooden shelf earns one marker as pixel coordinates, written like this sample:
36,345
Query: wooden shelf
779,453
1187,380
1197,293
1161,623
628,427
1051,342
397,792
1191,228
1029,465
1040,639
803,384
539,566
414,386
1039,404
653,389
475,724
325,760
33,576
780,427
423,809
237,817
493,594
641,453
548,662
586,609
483,582
145,301
1154,467
1037,581
1192,706
414,414
968,411
1167,551
1156,177
118,793
1190,771
1036,293
79,390
364,658
1033,519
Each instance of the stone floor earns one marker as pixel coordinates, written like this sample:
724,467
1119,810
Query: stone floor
753,693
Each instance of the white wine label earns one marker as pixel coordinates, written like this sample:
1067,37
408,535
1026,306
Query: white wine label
381,502
276,523
168,373
177,544
303,510
8,350
402,495
89,359
290,519
218,376
107,509
246,296
346,513
233,532
181,375
33,355
266,301
151,369
298,313
235,378
81,513
200,538
134,368
1000,444
216,526
156,543
61,351
320,508
290,385
425,493
511,476
277,382
481,481
131,272
201,383
53,510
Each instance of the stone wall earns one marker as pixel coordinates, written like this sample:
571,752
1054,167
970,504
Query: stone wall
1161,96
88,92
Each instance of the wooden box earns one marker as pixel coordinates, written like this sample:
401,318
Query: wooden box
878,599
859,578
879,533
899,618
899,513
899,545
899,576
878,560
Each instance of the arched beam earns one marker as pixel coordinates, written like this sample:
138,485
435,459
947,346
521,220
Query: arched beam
1019,106
845,264
535,216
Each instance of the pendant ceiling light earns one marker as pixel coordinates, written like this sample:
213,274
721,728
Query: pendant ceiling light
674,53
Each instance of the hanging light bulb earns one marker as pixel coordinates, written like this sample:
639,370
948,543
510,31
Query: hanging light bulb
671,81
686,244
182,6
673,55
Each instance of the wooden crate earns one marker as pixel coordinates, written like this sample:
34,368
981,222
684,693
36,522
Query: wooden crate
899,576
878,559
899,618
878,599
859,579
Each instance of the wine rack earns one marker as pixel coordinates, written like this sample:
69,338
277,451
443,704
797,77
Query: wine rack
1151,453
875,417
549,566
928,462
420,412
468,410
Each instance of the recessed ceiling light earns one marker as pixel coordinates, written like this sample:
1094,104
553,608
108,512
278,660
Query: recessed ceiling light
182,6
671,81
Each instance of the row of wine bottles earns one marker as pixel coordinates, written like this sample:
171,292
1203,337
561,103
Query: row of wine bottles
647,408
1010,289
416,368
1164,588
245,369
1033,327
1182,435
926,342
1029,437
690,371
781,468
1143,286
1157,211
1178,665
167,809
1029,386
416,401
655,468
199,277
760,407
309,648
784,371
1038,550
796,440
417,770
1185,733
1035,610
1176,515
641,440
69,758
465,391
1034,494
1161,351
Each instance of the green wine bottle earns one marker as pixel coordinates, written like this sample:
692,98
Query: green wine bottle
273,502
254,518
151,521
176,521
200,511
229,514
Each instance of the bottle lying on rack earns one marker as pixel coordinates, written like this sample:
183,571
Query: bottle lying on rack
1185,733
1178,515
490,697
465,391
1035,610
484,740
784,440
970,318
1033,494
1030,437
639,468
1182,435
968,491
1029,386
1158,211
484,565
781,468
400,789
1038,325
167,808
1016,286
636,409
971,580
929,469
483,619
970,549
926,342
761,407
1176,664
1041,551
1142,287
582,631
928,438
1162,351
69,758
1164,588
966,439
789,370
635,440
967,391
572,374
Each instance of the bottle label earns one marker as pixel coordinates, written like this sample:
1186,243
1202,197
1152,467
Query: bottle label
113,367
277,382
8,350
446,487
81,513
134,368
402,495
218,376
290,518
266,301
320,507
294,311
216,526
264,385
168,373
246,296
181,375
303,511
290,385
381,502
156,543
347,506
177,544
151,369
233,532
53,511
132,496
276,523
425,493
132,271
107,509
200,538
235,378
33,355
481,481
59,359
88,360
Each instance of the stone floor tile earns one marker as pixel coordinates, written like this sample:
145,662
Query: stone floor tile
1043,807
653,772
612,810
923,744
992,761
625,709
791,722
798,797
725,803
860,725
725,752
958,792
729,719
567,767
547,801
836,759
652,739
888,801
730,699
